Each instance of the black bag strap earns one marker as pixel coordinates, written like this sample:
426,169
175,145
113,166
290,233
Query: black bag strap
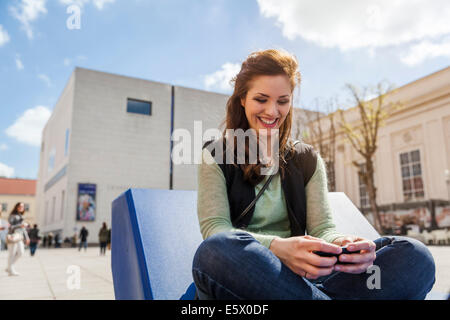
242,215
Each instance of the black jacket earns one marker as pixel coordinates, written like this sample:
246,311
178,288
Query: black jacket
301,164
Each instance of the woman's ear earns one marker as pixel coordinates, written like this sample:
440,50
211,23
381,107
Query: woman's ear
243,102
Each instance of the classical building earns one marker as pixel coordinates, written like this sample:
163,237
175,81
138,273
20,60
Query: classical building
13,191
412,161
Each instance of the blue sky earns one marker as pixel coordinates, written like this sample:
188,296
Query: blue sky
200,44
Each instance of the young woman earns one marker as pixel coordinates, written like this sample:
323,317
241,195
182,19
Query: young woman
266,254
16,230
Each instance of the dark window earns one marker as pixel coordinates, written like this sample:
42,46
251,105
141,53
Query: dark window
27,207
140,107
4,206
363,195
331,176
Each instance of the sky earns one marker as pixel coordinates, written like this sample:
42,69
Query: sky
201,44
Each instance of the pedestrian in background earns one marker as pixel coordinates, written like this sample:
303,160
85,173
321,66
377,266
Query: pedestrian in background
103,238
83,238
109,239
16,237
50,239
57,241
34,239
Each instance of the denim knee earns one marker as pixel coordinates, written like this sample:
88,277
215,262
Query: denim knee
213,249
423,267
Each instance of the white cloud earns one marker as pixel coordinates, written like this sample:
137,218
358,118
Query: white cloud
426,49
19,63
353,24
3,147
5,171
46,79
4,36
28,127
67,62
26,12
221,78
99,4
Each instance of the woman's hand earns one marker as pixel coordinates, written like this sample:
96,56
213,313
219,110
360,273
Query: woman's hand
296,253
359,261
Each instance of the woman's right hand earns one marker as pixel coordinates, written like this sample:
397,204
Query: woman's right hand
296,253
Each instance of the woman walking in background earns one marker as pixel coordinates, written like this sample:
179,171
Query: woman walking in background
34,239
16,237
103,236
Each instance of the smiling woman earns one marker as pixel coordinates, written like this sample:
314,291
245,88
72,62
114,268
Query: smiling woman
255,244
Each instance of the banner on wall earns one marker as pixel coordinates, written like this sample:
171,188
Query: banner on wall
86,202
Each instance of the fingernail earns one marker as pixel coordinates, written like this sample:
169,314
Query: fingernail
338,268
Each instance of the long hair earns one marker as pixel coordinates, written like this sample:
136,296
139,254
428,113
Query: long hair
15,209
265,62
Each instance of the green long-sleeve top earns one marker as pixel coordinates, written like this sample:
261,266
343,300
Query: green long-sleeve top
270,218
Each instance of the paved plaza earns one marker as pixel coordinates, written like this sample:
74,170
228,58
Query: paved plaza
50,274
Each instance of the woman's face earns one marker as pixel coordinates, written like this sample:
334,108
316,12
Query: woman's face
21,208
267,102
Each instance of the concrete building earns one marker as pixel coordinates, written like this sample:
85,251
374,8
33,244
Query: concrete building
412,161
108,133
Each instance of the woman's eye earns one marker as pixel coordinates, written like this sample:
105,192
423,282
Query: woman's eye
280,102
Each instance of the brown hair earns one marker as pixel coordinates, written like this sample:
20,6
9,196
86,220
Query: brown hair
15,210
264,62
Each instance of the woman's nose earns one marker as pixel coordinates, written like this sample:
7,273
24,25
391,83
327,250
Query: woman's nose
272,110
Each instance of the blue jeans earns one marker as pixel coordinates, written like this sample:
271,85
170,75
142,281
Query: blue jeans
33,246
233,265
83,244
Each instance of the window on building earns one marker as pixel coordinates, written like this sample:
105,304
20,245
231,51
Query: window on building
4,207
412,180
51,160
66,144
27,206
330,176
139,106
363,195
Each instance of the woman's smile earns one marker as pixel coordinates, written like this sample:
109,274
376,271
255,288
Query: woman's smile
268,123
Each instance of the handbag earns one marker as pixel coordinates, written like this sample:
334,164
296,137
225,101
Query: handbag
242,215
14,237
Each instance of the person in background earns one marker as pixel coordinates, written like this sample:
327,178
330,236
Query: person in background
34,239
45,241
83,238
57,241
103,238
16,229
50,239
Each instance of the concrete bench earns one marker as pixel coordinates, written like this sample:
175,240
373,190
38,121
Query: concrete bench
155,234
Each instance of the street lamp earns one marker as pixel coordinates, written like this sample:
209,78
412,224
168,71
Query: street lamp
447,179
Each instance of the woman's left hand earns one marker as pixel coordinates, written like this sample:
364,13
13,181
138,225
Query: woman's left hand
359,261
